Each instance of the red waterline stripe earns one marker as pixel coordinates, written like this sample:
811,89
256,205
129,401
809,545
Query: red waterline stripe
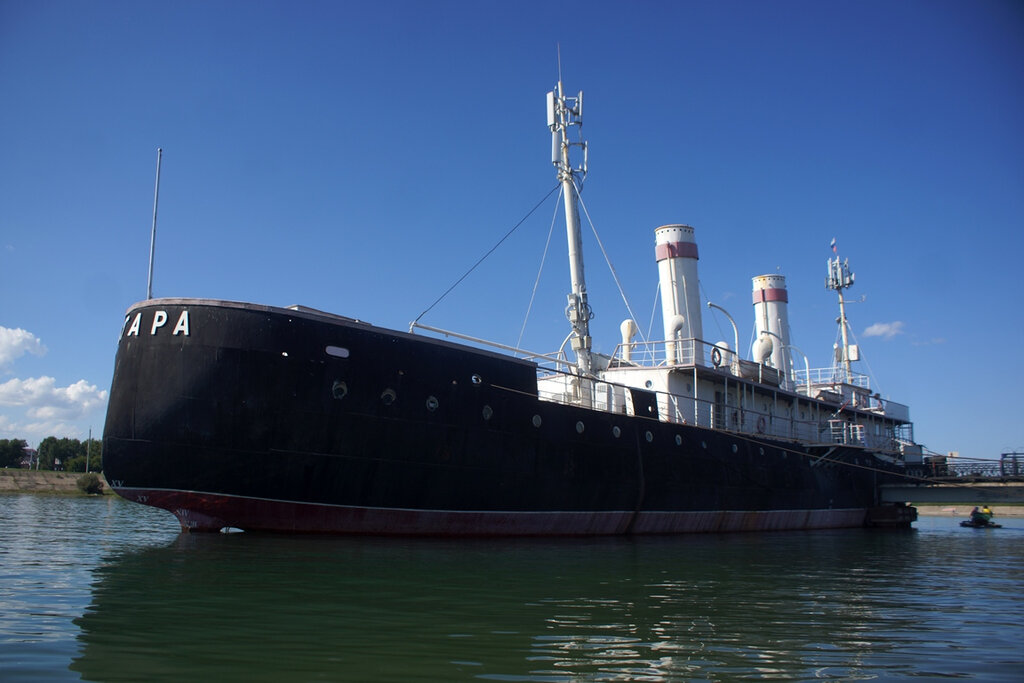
210,512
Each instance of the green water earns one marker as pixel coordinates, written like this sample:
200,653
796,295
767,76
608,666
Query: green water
103,589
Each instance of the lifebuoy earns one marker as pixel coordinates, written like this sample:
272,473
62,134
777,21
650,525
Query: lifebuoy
760,425
716,356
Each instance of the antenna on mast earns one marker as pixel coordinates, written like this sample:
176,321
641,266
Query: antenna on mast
840,278
152,236
565,113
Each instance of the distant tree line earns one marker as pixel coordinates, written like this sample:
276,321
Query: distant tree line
11,452
64,454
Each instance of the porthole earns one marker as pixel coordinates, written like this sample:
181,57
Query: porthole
735,448
579,427
761,451
337,351
648,384
388,397
476,380
679,440
339,389
537,421
649,436
432,403
704,445
487,412
616,432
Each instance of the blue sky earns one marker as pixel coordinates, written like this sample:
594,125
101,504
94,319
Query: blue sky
360,158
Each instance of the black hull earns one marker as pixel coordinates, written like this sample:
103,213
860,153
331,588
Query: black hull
272,419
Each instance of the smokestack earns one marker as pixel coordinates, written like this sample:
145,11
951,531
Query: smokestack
676,252
771,314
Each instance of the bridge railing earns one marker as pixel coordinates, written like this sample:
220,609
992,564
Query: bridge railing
988,469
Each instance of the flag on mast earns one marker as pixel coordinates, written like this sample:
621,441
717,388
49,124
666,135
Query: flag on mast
833,245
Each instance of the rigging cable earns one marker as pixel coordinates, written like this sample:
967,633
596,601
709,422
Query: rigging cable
607,260
536,283
654,309
482,258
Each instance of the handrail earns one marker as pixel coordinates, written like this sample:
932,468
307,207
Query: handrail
526,355
565,386
569,389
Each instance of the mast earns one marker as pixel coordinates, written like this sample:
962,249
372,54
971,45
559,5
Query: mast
563,113
840,278
152,235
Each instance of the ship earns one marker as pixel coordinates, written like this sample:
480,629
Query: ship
246,416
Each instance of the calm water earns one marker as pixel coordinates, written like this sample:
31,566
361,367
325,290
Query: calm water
103,589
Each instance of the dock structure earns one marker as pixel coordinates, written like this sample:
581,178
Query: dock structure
991,481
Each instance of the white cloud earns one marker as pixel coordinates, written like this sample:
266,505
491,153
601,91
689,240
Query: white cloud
45,401
886,330
16,343
36,407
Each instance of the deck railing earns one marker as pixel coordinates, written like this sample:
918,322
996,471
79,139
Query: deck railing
569,389
558,383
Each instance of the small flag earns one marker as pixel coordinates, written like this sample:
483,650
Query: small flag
833,245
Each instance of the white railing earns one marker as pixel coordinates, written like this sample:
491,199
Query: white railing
558,383
569,389
832,376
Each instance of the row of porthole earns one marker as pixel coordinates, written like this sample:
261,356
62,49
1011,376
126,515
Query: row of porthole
340,389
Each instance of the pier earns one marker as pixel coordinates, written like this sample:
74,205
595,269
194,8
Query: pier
990,481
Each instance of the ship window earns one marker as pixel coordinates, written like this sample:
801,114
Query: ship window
579,427
339,389
337,351
388,397
616,432
432,403
488,412
649,436
537,421
704,444
679,440
476,379
734,448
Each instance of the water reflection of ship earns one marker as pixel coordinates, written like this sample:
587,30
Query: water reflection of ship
239,607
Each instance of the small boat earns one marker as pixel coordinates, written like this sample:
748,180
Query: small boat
980,524
981,519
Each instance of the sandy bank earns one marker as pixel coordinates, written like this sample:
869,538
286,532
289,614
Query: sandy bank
963,510
41,481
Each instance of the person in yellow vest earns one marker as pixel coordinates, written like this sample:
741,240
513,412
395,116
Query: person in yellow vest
981,516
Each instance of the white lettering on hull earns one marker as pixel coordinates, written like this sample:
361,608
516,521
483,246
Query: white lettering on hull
159,320
182,325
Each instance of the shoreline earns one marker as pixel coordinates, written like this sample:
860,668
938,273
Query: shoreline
15,480
44,481
964,509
